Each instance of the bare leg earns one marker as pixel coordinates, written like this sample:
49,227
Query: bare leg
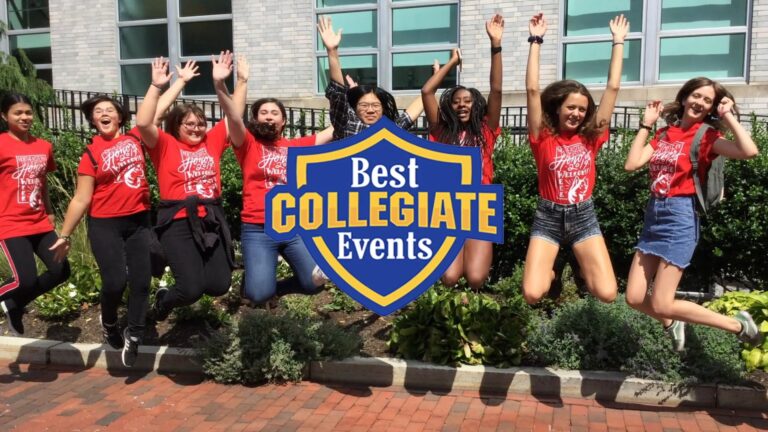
538,273
478,256
596,268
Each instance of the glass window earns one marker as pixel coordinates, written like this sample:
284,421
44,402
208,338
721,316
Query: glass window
702,14
204,7
425,25
45,75
584,18
134,10
412,70
203,85
335,3
146,41
720,56
588,62
136,78
362,68
36,46
27,14
205,37
360,29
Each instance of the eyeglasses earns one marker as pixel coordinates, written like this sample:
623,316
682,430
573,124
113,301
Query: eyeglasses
194,125
365,106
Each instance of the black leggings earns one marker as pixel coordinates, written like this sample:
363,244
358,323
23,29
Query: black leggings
121,248
196,272
25,285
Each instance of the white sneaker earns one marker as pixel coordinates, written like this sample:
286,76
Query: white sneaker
318,277
677,331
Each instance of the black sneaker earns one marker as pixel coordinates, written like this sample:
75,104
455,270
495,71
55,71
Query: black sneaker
14,317
160,313
130,349
112,335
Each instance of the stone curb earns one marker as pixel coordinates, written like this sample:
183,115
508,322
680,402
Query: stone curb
385,372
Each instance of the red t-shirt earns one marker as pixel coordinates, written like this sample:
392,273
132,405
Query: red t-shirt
121,187
23,166
670,165
184,170
263,166
566,165
489,142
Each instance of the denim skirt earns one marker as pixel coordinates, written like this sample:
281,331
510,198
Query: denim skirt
670,229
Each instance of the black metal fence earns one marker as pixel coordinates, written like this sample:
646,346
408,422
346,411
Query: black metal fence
64,114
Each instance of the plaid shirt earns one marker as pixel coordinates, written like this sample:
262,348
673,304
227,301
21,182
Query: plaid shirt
343,117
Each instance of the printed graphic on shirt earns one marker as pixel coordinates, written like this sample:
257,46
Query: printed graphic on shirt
199,173
30,170
571,168
663,165
125,161
273,163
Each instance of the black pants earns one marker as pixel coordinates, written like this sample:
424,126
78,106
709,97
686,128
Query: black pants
196,272
25,285
121,248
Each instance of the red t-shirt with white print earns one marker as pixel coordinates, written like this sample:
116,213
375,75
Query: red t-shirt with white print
566,165
23,166
670,165
121,187
184,169
489,142
264,166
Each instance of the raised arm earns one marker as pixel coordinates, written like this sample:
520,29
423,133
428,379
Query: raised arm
184,75
145,117
495,29
75,211
619,29
324,136
331,41
241,85
742,146
537,27
640,152
431,107
222,68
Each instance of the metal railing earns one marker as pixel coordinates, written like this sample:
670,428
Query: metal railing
64,114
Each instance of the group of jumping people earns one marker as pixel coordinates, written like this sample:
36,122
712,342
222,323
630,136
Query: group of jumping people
566,129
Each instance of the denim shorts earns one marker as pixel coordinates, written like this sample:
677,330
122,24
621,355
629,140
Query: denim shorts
565,224
670,230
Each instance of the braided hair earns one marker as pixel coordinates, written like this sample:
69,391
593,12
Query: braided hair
451,128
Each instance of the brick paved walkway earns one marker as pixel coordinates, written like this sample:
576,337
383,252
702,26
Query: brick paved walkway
36,398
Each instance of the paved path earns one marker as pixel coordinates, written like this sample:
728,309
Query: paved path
36,398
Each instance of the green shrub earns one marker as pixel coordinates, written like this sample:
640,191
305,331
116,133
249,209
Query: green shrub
205,310
756,303
264,347
340,301
298,305
452,327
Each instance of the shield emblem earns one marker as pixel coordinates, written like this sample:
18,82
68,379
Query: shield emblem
384,213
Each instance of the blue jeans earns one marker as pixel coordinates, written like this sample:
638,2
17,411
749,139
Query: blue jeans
260,259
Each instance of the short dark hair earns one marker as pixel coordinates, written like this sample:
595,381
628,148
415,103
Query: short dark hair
11,99
389,107
178,114
252,122
87,108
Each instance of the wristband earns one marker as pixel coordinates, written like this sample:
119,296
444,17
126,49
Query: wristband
535,39
644,126
495,50
67,239
617,43
157,86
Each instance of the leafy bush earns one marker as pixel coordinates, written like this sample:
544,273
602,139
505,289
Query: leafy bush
204,309
340,301
264,347
452,327
587,334
756,303
298,305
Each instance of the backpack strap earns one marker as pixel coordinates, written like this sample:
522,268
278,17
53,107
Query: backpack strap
93,159
694,155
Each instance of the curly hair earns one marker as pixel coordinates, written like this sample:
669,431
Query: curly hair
87,109
673,111
451,127
552,99
265,131
387,100
177,115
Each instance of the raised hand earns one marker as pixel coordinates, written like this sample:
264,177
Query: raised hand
160,75
619,28
725,106
330,39
188,72
495,29
222,67
435,67
652,112
537,26
60,249
350,81
243,68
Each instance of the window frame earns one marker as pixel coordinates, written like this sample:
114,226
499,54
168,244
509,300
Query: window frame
650,37
5,40
385,50
173,22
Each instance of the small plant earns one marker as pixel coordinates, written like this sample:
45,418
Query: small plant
340,301
756,303
298,305
204,310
